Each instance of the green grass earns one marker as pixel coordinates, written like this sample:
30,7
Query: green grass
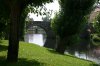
33,55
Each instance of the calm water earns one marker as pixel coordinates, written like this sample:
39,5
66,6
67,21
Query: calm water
35,38
92,55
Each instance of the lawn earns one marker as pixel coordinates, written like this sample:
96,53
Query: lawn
33,55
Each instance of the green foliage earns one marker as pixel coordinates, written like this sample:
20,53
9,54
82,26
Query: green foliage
71,16
4,10
33,55
97,24
22,23
4,27
98,18
96,36
74,41
4,15
96,39
80,7
59,27
37,2
54,22
40,10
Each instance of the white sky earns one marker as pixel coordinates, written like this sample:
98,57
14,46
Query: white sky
51,6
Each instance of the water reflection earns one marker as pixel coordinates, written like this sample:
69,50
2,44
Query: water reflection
92,55
35,38
35,35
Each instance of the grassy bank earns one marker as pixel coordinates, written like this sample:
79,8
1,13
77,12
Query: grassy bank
33,55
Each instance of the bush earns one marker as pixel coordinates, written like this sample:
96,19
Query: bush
96,38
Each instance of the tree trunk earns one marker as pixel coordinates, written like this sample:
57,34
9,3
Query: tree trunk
61,45
51,39
13,47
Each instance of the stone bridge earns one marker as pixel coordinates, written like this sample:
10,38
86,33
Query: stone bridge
51,37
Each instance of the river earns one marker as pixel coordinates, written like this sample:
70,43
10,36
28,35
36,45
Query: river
35,38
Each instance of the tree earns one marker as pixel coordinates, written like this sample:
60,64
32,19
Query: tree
4,28
15,8
97,24
70,18
4,14
47,17
23,23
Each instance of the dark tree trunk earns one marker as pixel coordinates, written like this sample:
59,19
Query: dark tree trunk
51,39
22,26
13,47
61,45
21,30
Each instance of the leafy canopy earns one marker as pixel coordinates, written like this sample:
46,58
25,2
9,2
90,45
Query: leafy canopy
71,16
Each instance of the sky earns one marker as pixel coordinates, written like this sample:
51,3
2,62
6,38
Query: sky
50,6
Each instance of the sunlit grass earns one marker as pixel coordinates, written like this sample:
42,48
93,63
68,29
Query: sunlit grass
33,55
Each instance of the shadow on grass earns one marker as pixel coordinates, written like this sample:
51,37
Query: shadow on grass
0,41
3,47
94,64
25,62
2,61
21,62
53,51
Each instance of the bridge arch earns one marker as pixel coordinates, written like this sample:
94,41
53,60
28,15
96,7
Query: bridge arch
51,37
